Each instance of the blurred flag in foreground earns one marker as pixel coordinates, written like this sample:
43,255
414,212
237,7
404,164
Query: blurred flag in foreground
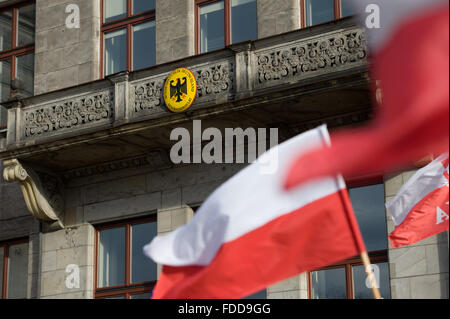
250,233
410,61
421,209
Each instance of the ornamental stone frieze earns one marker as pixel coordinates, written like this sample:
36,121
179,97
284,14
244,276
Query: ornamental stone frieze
146,96
215,79
302,59
67,115
42,191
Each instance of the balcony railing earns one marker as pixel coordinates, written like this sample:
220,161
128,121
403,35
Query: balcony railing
237,72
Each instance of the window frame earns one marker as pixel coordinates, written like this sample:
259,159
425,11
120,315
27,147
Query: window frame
227,22
128,288
337,12
377,256
16,51
6,245
127,22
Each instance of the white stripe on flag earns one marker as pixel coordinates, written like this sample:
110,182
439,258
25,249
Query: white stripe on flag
422,183
244,203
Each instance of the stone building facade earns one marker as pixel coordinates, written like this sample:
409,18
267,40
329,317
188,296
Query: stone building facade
87,152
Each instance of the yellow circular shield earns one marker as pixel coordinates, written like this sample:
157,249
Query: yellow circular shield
180,90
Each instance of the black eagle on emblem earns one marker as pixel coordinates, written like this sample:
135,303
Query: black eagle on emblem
178,89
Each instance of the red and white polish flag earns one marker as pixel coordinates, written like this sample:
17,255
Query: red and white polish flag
251,233
421,207
410,61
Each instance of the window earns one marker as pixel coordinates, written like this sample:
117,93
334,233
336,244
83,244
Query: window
220,23
122,269
128,35
347,279
321,11
13,269
262,294
17,27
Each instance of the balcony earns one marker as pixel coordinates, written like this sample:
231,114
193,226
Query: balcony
293,81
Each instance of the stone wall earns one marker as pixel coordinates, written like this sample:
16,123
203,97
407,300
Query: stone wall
69,246
292,288
170,193
175,36
66,57
139,192
276,17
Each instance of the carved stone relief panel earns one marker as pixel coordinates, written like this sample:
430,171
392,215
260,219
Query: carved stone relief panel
213,79
69,114
307,58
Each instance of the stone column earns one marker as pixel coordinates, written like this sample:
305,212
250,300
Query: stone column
66,57
171,219
419,270
292,288
34,260
174,30
276,17
69,246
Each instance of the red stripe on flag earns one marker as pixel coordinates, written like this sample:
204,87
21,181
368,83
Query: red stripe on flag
413,119
314,236
422,221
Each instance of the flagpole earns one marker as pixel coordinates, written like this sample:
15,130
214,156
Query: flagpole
353,224
370,275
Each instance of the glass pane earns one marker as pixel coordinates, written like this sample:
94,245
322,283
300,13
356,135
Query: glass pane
142,296
259,295
17,271
328,284
27,16
3,118
142,268
144,45
2,254
111,257
143,5
115,9
368,204
5,80
115,51
5,30
346,8
25,72
212,33
243,20
319,11
360,289
113,298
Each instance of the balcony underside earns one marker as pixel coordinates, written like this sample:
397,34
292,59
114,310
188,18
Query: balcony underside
295,81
